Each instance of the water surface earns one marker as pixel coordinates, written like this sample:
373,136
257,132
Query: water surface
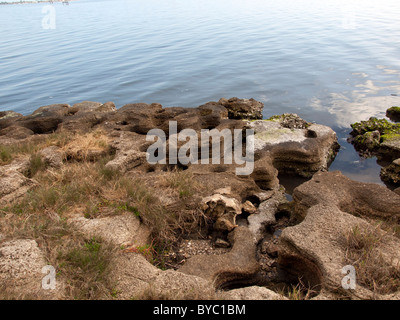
332,62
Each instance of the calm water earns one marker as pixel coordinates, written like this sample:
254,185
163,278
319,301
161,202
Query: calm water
333,62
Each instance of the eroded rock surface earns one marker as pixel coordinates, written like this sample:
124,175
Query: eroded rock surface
304,243
237,266
13,183
333,207
391,173
393,113
121,230
376,137
295,146
21,264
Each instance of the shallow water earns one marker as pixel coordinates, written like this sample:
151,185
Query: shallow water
332,62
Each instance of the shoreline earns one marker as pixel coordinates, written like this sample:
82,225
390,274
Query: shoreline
94,209
37,2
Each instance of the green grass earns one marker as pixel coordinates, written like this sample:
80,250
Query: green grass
87,268
5,155
36,164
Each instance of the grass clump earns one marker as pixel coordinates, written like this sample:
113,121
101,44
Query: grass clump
166,222
372,270
87,147
82,265
36,164
86,266
180,181
5,155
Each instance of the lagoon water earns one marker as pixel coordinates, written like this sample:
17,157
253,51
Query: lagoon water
333,62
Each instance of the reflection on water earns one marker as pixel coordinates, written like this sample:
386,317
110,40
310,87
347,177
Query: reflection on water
333,62
354,167
368,98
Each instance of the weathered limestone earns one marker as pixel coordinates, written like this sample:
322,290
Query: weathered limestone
7,118
222,210
45,119
52,156
376,137
136,278
242,108
299,150
21,263
358,198
252,293
121,230
391,173
265,175
265,215
237,266
331,206
393,113
129,154
85,115
13,184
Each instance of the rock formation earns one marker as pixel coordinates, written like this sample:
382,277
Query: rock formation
75,181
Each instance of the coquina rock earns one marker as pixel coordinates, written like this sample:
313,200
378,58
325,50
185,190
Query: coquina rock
376,137
8,117
334,207
45,119
285,144
391,173
121,230
237,266
393,113
294,145
242,108
13,183
85,115
21,271
222,210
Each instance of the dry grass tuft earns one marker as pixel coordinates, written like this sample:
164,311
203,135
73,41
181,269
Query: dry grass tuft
87,147
372,270
84,186
87,266
82,264
182,182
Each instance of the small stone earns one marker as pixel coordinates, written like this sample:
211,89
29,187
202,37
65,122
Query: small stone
220,243
248,207
270,248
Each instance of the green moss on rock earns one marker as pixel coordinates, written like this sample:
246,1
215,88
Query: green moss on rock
369,136
373,124
393,113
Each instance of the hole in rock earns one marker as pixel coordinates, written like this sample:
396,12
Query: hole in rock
220,168
174,167
300,277
290,182
254,200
